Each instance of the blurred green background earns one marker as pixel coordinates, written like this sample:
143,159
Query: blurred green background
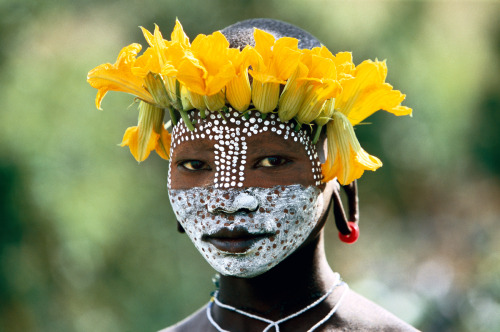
88,241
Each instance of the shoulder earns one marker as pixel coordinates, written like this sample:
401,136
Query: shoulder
360,314
196,322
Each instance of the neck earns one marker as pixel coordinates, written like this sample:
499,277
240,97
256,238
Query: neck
293,284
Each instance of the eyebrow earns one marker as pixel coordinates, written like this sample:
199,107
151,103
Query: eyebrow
197,145
275,145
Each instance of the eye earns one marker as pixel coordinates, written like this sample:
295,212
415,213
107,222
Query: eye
194,165
272,161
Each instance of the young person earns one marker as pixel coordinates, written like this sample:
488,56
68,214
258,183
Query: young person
255,165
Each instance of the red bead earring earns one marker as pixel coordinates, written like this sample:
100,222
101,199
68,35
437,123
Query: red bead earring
353,236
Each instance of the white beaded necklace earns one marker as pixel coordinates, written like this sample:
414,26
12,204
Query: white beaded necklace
275,324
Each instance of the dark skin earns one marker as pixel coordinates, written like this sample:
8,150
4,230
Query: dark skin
298,280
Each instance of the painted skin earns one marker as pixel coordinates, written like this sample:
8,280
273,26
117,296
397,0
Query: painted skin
243,229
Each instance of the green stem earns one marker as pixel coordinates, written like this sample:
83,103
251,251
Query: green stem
317,134
221,113
202,113
263,116
297,126
178,95
173,117
187,121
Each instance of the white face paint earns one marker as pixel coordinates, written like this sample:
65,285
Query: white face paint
280,220
245,231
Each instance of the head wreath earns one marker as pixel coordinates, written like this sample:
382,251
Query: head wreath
311,87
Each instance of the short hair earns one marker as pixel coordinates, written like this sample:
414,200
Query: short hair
241,34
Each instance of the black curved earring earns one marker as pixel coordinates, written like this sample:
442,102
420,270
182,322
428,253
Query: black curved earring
348,229
180,229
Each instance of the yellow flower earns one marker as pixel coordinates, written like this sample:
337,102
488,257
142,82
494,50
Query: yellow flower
364,92
314,81
321,82
119,77
163,57
367,92
293,94
346,158
326,113
196,100
343,62
276,62
179,36
207,69
238,90
149,134
158,48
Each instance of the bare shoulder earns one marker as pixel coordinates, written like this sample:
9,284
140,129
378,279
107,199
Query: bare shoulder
196,322
357,313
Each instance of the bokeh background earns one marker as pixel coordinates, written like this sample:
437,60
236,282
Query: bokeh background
88,241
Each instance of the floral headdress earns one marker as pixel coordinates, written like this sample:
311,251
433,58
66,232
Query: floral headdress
311,87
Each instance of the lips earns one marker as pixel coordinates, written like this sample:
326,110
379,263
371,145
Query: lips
235,241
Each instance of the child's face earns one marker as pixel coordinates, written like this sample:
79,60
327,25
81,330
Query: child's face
247,192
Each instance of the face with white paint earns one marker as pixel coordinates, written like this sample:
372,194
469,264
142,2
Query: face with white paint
247,192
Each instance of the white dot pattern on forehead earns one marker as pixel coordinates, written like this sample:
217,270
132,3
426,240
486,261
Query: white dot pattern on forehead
231,146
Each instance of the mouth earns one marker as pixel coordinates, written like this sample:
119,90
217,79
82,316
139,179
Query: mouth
235,241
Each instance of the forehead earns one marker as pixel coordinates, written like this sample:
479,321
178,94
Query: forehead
231,140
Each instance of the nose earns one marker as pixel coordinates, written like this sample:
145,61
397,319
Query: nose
231,202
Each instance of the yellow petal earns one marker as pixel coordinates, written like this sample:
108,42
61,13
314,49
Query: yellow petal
173,57
275,61
131,139
196,100
286,57
239,92
241,60
186,103
291,100
346,158
265,96
192,74
156,87
178,35
147,62
215,102
326,113
143,138
163,144
293,94
119,76
158,45
343,61
208,68
315,98
311,106
170,86
264,43
367,92
381,98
